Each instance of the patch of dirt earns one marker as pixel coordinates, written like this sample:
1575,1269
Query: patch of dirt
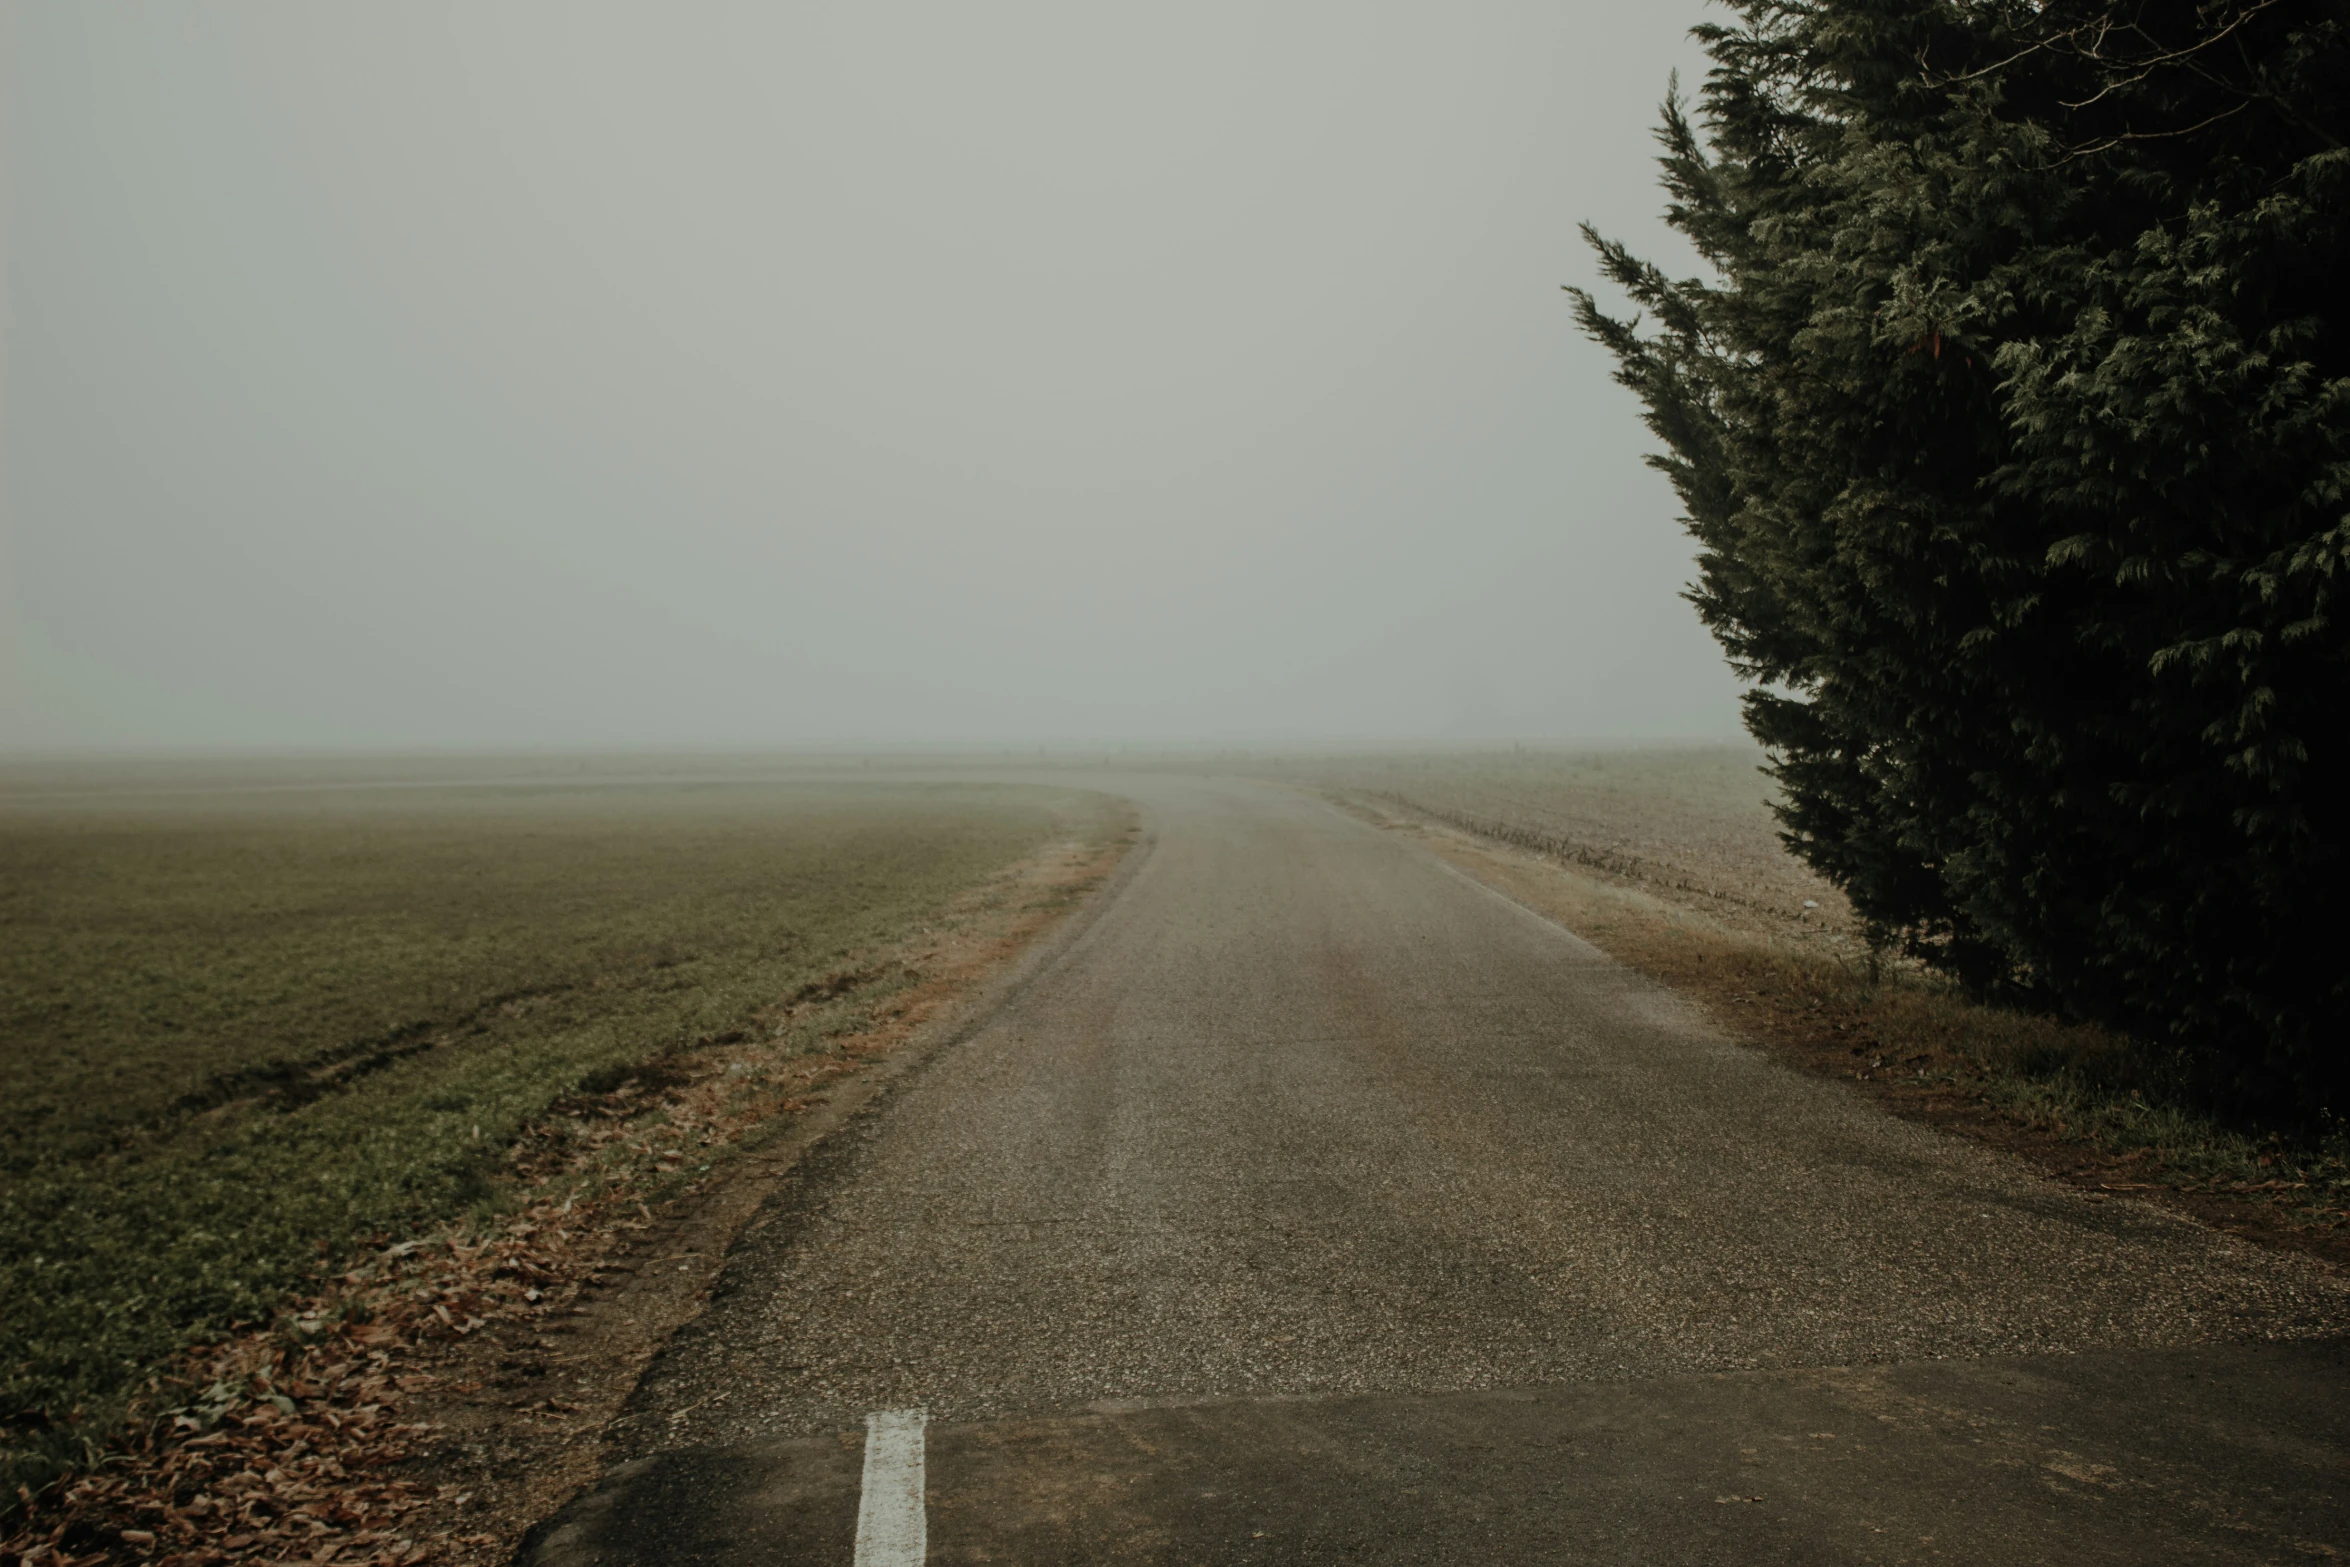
1905,1050
432,1403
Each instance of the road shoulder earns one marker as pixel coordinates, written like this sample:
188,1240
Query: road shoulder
1905,1054
525,1411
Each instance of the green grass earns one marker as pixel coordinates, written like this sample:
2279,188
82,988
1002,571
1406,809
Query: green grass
243,1034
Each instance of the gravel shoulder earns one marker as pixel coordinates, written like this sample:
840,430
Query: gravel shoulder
526,1413
1795,981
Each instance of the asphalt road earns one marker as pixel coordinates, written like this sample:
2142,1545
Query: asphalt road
1318,1204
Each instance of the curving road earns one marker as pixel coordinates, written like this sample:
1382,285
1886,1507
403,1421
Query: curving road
1318,1204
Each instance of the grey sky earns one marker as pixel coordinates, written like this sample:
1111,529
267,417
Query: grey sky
569,373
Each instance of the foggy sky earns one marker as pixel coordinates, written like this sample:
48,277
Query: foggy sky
579,374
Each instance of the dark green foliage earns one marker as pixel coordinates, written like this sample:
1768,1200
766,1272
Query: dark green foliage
2015,433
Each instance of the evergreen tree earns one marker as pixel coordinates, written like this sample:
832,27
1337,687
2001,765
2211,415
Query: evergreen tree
2014,430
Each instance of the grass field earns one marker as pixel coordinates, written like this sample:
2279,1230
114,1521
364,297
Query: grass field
246,1031
1692,823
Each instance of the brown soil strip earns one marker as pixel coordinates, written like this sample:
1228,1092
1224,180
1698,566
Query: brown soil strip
433,1402
1917,1052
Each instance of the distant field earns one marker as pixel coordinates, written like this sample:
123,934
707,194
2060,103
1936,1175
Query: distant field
1690,823
244,1030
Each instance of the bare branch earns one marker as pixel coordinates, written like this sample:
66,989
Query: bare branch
2104,27
2112,142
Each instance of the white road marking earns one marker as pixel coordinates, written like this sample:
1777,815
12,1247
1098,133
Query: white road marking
892,1530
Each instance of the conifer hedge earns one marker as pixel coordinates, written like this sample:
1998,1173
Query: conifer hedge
2014,430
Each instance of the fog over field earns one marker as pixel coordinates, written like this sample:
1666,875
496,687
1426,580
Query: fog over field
583,374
